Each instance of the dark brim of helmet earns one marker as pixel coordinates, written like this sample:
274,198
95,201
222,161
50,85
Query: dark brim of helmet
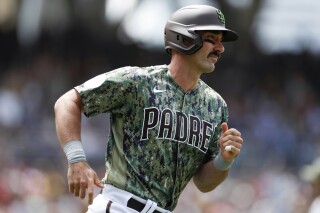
228,35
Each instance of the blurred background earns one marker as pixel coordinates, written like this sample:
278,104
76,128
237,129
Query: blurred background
269,78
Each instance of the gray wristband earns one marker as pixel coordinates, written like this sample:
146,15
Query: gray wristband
74,152
221,164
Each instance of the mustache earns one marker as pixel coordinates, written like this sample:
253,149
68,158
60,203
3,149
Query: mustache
215,53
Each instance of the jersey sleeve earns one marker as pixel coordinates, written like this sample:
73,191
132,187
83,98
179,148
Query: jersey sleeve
107,92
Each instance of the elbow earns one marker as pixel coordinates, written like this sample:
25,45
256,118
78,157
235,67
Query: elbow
204,188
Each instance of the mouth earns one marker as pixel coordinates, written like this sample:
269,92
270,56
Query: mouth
215,54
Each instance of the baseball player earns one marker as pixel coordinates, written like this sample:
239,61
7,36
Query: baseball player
167,125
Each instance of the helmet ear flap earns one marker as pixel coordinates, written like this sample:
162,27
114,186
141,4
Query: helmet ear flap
179,38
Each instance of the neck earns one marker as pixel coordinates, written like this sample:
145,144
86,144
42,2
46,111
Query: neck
184,74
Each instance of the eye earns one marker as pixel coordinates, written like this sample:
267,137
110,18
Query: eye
209,40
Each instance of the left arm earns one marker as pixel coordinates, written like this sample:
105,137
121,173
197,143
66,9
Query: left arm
210,175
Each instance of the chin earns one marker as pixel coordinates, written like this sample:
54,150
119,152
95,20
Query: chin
207,67
210,69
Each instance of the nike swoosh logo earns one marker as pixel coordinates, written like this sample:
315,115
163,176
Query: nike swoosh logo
155,90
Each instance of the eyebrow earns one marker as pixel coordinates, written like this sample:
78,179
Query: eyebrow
213,35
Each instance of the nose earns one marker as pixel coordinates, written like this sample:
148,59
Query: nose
219,46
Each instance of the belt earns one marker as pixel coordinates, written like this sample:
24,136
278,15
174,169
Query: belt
130,200
137,205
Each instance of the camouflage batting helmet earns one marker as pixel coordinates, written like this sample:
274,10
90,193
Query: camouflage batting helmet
184,23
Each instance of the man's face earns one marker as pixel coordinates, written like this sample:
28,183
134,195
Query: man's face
206,57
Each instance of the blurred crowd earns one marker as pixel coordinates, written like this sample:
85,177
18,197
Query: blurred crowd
273,101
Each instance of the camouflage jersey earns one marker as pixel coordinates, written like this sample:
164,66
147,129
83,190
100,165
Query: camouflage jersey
159,135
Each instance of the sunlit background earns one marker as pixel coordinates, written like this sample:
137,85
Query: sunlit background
269,78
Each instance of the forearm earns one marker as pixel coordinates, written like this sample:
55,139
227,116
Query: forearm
208,177
68,117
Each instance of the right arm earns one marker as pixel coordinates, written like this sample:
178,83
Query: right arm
81,177
68,109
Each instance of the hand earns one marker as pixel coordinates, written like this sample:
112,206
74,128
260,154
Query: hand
82,178
230,137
